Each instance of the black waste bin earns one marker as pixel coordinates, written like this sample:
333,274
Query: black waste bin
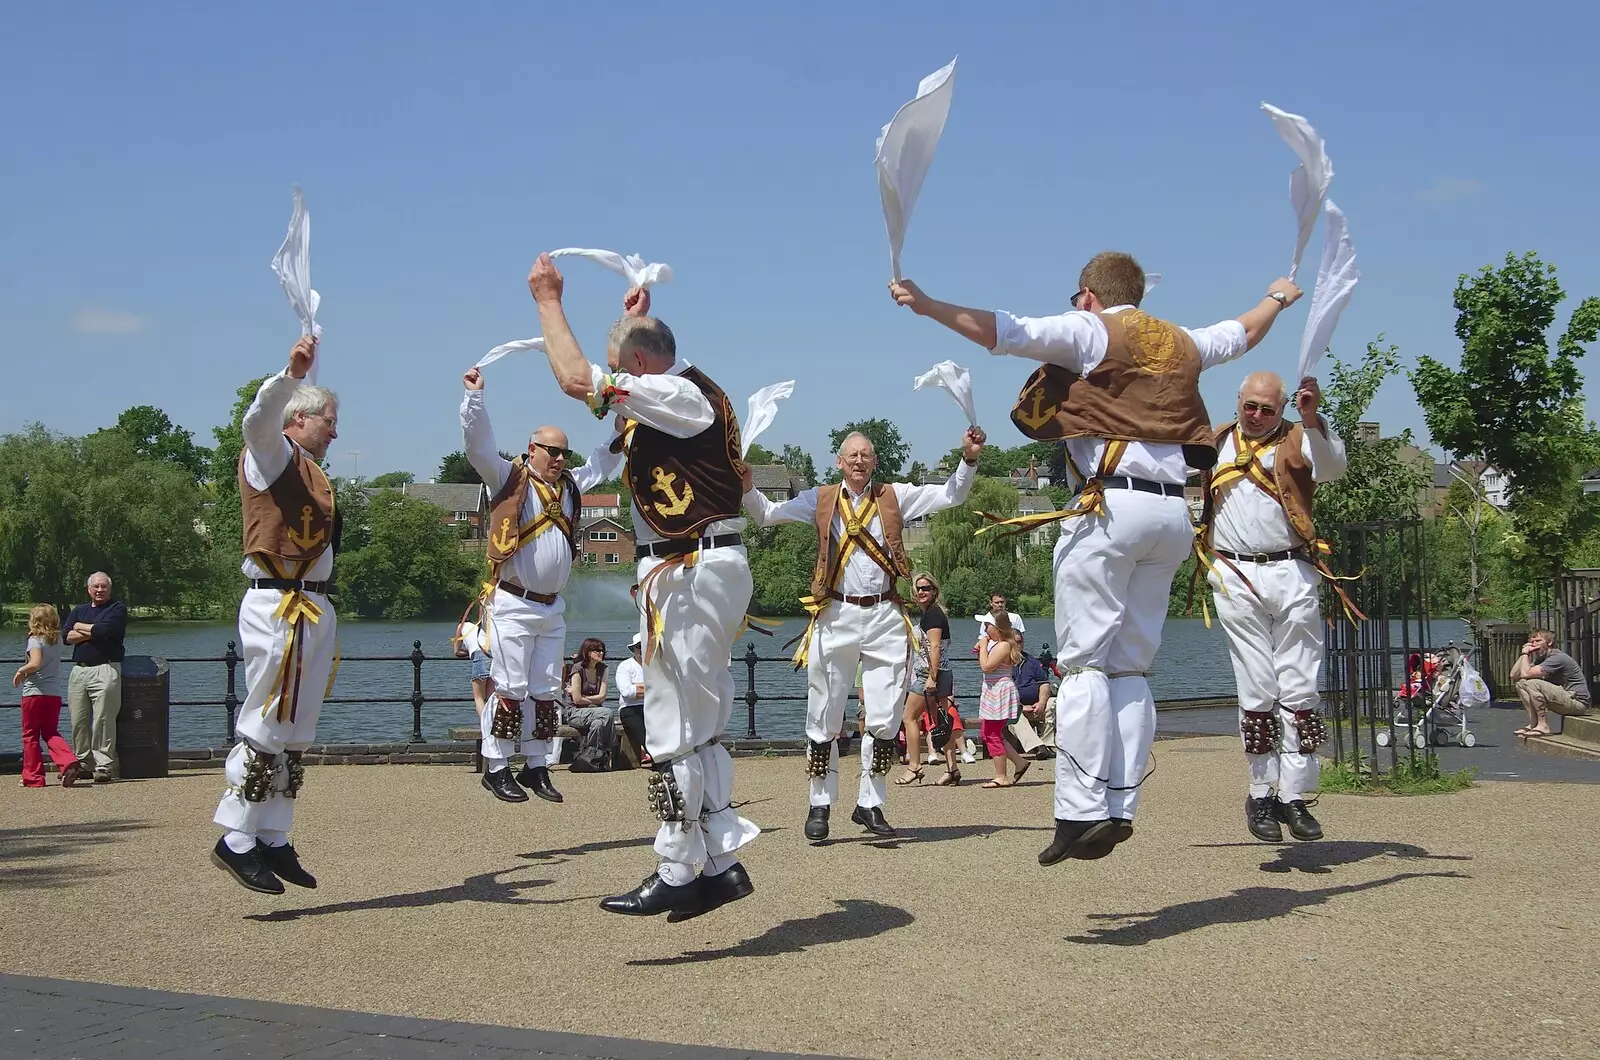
142,724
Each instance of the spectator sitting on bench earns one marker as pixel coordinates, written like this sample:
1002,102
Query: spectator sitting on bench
1034,695
1548,681
630,690
586,709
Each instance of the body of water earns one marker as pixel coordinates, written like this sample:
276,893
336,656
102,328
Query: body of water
1193,661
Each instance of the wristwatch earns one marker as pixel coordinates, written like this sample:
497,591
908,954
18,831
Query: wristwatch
1279,297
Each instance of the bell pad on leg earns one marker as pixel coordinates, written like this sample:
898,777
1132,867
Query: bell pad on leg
663,795
297,774
258,770
1311,729
818,758
546,719
507,723
884,752
1260,731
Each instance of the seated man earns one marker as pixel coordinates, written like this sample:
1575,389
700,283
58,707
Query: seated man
1548,681
1034,696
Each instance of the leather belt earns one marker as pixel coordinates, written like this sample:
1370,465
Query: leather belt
682,546
1262,557
862,601
1143,485
289,585
527,594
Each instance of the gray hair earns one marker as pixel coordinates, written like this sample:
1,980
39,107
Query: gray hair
856,434
311,400
645,334
97,574
1283,390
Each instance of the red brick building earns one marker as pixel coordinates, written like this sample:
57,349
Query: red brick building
605,542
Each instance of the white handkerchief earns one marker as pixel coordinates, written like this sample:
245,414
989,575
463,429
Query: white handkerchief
1152,280
520,346
292,264
955,379
1308,182
761,410
635,269
1336,282
905,153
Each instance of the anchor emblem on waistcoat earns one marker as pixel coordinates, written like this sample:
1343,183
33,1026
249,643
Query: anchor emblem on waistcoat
1040,415
505,539
304,540
662,484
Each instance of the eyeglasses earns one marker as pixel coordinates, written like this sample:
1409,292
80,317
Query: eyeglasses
555,451
924,588
1255,408
1078,298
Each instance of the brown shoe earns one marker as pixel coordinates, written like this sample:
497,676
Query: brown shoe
70,775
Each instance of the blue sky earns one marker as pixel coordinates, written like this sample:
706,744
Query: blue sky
148,181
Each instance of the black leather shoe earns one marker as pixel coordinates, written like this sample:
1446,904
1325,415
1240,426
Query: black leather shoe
714,892
285,865
653,896
1085,840
1121,830
247,868
1302,825
538,779
501,786
872,820
817,823
1261,817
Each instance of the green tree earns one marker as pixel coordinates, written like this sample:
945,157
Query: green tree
759,455
410,566
798,461
892,449
1377,483
154,436
1517,406
456,468
969,566
918,472
392,480
781,559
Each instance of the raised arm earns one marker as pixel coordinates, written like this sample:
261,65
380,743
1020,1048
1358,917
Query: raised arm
477,436
975,325
1072,340
560,345
265,446
802,508
599,466
917,501
1321,447
1258,321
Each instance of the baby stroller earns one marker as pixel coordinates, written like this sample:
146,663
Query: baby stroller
1432,707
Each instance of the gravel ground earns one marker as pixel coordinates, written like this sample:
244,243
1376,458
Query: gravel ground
1423,927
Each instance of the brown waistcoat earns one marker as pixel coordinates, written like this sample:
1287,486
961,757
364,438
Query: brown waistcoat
680,486
505,512
828,544
1291,474
1145,389
292,520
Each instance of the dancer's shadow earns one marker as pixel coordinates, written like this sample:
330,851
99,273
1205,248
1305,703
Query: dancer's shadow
1245,906
856,918
1319,858
560,855
485,887
933,834
54,840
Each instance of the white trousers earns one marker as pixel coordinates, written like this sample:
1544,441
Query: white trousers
526,640
846,635
688,699
263,638
1275,641
1113,574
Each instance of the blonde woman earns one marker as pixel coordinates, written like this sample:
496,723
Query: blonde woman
930,683
999,651
40,680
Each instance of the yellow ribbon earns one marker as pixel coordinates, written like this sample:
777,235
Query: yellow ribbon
1091,497
295,608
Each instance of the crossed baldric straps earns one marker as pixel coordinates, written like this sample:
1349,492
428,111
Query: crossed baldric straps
857,535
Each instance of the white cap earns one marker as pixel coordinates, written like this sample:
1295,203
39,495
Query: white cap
986,619
637,640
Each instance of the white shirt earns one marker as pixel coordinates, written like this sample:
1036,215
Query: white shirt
629,674
267,451
1077,341
863,577
472,637
672,405
1246,518
544,564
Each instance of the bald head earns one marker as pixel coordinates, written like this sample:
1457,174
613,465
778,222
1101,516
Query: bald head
1262,398
547,452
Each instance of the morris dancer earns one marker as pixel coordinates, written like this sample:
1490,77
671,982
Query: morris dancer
286,624
1259,516
533,541
1122,390
857,616
684,471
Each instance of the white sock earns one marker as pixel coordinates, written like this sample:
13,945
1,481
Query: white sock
675,873
494,765
273,838
717,864
239,843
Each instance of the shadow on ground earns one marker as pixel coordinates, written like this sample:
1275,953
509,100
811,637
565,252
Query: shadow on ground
1319,858
1247,905
856,918
932,834
57,842
484,887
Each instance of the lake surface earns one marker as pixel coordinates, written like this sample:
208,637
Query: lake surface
1193,661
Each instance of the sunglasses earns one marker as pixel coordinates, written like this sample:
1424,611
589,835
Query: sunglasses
1255,408
924,588
555,451
1078,298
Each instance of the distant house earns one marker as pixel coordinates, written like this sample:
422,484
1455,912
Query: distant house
463,502
605,543
601,506
776,482
1028,479
1036,504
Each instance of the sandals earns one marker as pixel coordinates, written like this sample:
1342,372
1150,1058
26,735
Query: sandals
912,775
998,784
1021,772
950,779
